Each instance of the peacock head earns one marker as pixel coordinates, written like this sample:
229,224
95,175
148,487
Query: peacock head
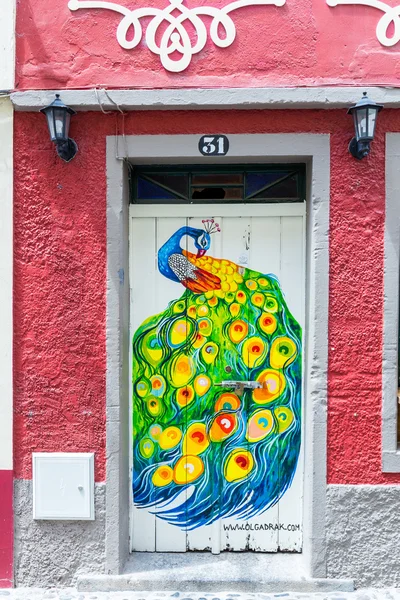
203,240
202,243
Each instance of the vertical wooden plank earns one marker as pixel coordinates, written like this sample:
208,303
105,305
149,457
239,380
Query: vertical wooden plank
204,538
293,285
265,245
143,301
235,247
169,538
265,257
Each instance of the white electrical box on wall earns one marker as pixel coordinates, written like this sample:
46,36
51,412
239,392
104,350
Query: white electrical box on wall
63,486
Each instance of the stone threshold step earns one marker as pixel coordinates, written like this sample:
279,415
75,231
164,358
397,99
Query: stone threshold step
204,572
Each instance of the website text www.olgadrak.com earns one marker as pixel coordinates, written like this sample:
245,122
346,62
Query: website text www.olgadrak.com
262,527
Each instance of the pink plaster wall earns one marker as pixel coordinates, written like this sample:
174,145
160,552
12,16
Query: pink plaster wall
60,264
304,43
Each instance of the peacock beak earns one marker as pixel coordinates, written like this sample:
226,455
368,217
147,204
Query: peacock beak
200,253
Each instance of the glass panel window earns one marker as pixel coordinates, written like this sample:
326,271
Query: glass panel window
228,183
148,191
255,182
217,194
217,178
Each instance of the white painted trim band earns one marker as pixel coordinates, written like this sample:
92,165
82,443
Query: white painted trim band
390,450
201,99
6,284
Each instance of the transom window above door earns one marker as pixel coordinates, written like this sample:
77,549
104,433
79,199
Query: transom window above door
231,183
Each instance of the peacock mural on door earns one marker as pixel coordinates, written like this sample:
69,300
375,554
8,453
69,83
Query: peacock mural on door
234,451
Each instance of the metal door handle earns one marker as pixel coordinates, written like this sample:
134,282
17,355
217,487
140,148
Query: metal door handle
249,385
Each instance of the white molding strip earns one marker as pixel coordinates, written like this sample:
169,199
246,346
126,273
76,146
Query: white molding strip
175,38
391,16
314,149
390,449
7,44
6,284
202,99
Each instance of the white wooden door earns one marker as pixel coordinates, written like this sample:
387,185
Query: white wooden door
217,467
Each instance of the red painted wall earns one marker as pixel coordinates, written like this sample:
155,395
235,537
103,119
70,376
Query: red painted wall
60,269
304,42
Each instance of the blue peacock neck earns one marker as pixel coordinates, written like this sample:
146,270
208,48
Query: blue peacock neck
173,246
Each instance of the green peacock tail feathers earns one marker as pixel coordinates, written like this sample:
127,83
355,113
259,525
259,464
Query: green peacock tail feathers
190,433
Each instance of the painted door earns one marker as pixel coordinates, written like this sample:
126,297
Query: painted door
217,297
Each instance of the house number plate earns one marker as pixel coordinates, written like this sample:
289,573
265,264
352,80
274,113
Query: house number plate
214,145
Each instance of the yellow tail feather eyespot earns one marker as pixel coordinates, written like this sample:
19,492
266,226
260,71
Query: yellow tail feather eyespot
179,307
213,301
263,282
285,418
158,385
271,303
154,406
227,401
170,437
188,469
251,284
179,332
146,448
209,352
238,464
223,426
234,309
184,396
283,352
204,326
182,370
143,388
257,299
229,297
260,424
152,349
163,475
254,351
241,297
192,311
155,431
273,385
268,323
238,330
196,439
203,311
202,384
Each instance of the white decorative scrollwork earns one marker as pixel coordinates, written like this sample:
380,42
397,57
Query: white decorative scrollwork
392,15
175,38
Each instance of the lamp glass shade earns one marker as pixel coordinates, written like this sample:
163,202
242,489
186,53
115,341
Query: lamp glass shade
58,117
361,123
364,115
372,112
59,124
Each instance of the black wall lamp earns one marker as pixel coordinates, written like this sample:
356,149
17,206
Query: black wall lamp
58,117
364,116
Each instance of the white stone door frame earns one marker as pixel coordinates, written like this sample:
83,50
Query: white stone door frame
312,149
